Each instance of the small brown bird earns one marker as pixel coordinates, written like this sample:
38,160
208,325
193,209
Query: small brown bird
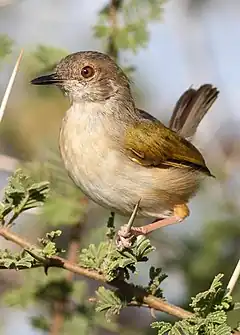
118,154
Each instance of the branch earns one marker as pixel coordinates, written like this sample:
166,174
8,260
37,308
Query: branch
59,307
56,261
112,49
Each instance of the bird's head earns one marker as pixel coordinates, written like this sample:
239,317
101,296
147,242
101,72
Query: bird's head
87,76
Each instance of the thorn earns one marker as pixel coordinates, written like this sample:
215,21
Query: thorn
46,267
132,218
9,86
152,311
35,256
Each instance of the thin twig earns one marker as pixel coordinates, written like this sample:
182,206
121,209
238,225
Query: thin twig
9,86
233,280
56,261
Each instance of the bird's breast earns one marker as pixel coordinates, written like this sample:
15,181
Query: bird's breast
91,149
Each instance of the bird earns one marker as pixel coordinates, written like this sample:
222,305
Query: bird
120,155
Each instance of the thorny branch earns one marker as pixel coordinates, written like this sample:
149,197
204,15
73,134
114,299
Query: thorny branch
56,261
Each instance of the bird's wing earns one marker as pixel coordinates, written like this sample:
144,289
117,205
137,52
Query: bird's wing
150,143
191,108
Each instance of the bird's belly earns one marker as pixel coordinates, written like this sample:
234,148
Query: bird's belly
103,177
111,179
115,182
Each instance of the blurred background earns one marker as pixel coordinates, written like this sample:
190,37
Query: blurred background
165,47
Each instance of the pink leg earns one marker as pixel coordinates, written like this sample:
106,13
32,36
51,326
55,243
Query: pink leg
125,236
144,230
180,213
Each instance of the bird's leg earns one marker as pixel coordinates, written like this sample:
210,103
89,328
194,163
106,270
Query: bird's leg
126,233
180,212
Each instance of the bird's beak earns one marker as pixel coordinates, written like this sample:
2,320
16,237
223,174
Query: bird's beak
50,79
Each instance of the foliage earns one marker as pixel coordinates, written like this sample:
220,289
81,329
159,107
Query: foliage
16,261
111,262
5,46
156,278
20,195
131,33
210,314
63,205
48,57
209,308
109,301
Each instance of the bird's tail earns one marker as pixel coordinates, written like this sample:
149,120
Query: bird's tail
191,108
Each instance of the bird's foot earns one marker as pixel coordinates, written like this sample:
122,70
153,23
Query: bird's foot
125,238
126,234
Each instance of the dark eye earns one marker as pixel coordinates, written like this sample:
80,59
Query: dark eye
87,72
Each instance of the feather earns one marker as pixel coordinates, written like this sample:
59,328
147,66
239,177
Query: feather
150,143
191,108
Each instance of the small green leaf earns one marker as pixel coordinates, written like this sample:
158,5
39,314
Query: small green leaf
53,234
108,302
156,278
211,300
21,194
21,260
162,327
49,246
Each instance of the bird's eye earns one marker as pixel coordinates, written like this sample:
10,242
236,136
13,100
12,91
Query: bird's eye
87,72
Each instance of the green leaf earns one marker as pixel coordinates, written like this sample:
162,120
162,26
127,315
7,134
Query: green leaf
222,330
93,257
211,300
219,317
109,302
21,194
162,327
16,261
49,246
156,278
210,315
107,259
53,235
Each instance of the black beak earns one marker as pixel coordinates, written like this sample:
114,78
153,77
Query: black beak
50,79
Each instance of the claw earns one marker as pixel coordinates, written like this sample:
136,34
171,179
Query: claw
125,237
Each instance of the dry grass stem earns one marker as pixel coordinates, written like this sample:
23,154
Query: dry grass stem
9,86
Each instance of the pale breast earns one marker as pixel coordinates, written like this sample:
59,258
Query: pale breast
90,151
90,157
